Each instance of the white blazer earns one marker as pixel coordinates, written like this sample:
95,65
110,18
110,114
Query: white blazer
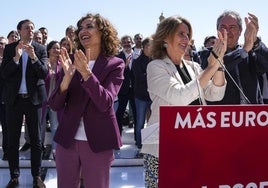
166,87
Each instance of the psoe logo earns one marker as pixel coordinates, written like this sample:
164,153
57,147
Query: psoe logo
263,184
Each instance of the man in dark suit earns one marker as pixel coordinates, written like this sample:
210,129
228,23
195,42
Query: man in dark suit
244,62
24,70
126,93
3,42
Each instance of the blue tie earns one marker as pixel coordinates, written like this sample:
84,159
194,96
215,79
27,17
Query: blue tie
23,88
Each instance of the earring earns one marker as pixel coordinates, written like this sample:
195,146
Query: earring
165,45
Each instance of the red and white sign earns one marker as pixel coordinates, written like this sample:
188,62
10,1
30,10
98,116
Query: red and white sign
213,146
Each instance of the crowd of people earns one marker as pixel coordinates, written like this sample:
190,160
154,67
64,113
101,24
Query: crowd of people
83,83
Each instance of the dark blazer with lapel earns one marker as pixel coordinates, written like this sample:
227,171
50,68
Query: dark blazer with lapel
128,77
93,100
250,69
35,74
139,69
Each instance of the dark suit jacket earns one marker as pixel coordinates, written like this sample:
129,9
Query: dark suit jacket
261,80
92,100
128,77
2,83
249,70
35,75
139,69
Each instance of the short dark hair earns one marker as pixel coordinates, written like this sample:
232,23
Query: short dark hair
208,38
22,22
42,28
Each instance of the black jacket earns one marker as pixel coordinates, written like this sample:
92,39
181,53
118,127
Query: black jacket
139,67
128,82
35,75
250,68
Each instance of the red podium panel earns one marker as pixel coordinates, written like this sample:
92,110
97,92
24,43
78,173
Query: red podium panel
213,146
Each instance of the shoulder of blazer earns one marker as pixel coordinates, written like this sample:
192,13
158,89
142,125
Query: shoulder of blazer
115,59
122,55
107,61
11,45
36,45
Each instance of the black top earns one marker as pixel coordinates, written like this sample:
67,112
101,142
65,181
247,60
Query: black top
139,68
185,76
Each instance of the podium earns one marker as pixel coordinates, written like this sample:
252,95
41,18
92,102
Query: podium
213,146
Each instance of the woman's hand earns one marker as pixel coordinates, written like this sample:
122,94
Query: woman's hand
81,63
66,63
68,68
218,50
221,44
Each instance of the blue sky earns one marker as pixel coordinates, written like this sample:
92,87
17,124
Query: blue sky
129,17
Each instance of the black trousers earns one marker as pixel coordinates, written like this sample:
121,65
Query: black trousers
122,104
14,115
4,127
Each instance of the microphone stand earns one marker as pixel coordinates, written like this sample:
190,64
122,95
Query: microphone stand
224,68
192,60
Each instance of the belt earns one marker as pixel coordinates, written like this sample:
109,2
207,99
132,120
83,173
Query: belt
24,95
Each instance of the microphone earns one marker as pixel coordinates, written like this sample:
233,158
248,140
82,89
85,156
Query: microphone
233,80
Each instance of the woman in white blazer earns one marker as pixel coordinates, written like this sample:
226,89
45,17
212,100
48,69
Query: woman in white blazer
172,80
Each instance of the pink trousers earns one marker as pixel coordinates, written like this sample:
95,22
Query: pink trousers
80,161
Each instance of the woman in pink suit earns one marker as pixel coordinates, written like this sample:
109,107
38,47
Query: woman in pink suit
87,132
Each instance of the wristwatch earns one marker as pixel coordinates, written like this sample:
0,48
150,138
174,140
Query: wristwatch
34,59
257,43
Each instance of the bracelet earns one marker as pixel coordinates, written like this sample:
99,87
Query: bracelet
220,61
221,69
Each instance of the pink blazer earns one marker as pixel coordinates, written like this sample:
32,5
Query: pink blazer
93,100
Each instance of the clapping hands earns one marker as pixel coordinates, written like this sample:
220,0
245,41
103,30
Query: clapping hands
252,27
81,62
66,63
219,48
